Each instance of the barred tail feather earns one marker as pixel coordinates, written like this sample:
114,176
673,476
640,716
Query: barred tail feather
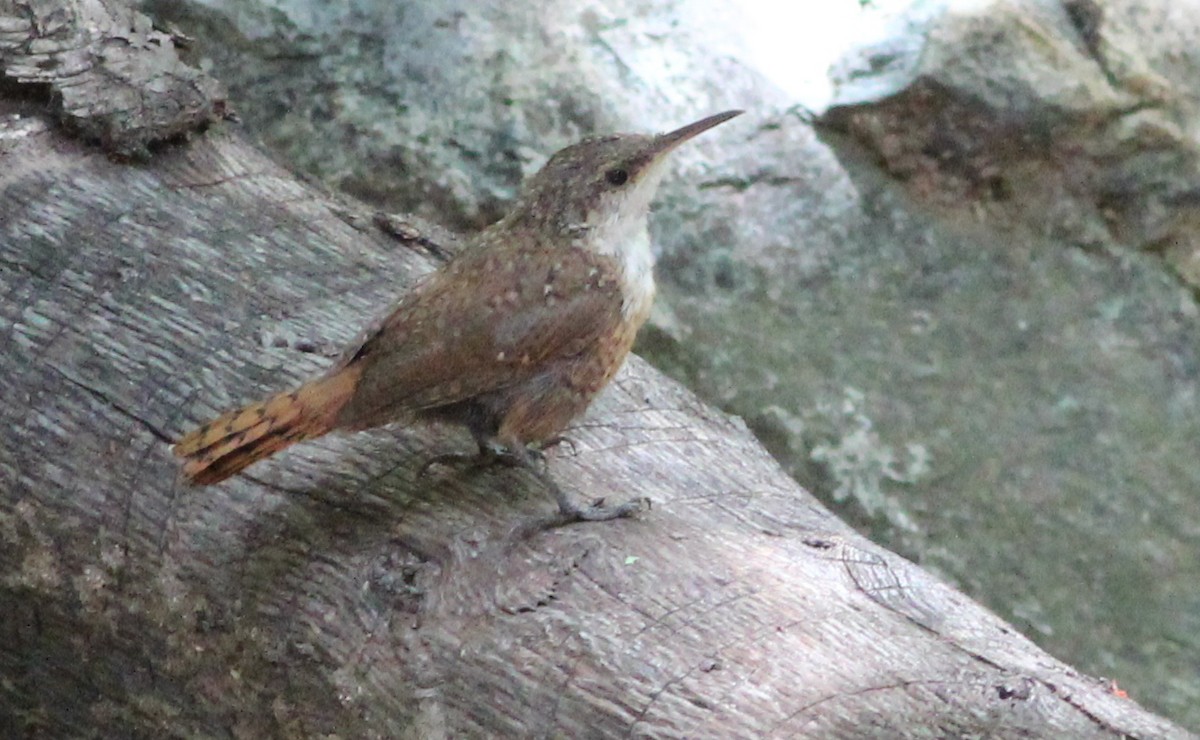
235,440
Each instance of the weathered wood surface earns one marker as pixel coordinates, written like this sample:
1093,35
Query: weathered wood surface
331,590
115,79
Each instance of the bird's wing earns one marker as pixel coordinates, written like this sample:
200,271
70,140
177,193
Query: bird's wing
487,320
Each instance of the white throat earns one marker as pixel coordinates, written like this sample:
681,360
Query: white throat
637,276
622,234
628,241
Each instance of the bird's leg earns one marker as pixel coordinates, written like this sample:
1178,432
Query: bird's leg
568,510
488,455
555,441
491,452
532,458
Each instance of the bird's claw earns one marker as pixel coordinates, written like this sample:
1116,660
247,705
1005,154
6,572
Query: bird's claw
597,511
486,458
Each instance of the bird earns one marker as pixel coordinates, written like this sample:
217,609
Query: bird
511,338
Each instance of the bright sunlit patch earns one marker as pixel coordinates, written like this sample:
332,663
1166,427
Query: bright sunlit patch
794,43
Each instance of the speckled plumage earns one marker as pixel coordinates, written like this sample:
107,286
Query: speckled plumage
515,358
512,338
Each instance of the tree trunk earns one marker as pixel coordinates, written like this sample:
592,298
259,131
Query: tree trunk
332,590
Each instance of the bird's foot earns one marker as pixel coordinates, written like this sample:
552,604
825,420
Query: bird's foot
597,511
450,459
488,456
553,442
533,458
569,511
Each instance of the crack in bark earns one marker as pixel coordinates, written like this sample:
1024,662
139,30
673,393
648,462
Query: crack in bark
101,396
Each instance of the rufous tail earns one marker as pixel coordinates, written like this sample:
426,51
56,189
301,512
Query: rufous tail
235,440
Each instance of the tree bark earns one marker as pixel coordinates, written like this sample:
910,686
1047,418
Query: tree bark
332,590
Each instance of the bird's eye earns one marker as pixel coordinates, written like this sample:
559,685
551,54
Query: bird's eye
617,177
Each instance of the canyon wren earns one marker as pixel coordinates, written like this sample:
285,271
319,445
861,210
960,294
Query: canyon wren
512,338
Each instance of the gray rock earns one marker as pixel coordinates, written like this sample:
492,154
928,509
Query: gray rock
441,110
